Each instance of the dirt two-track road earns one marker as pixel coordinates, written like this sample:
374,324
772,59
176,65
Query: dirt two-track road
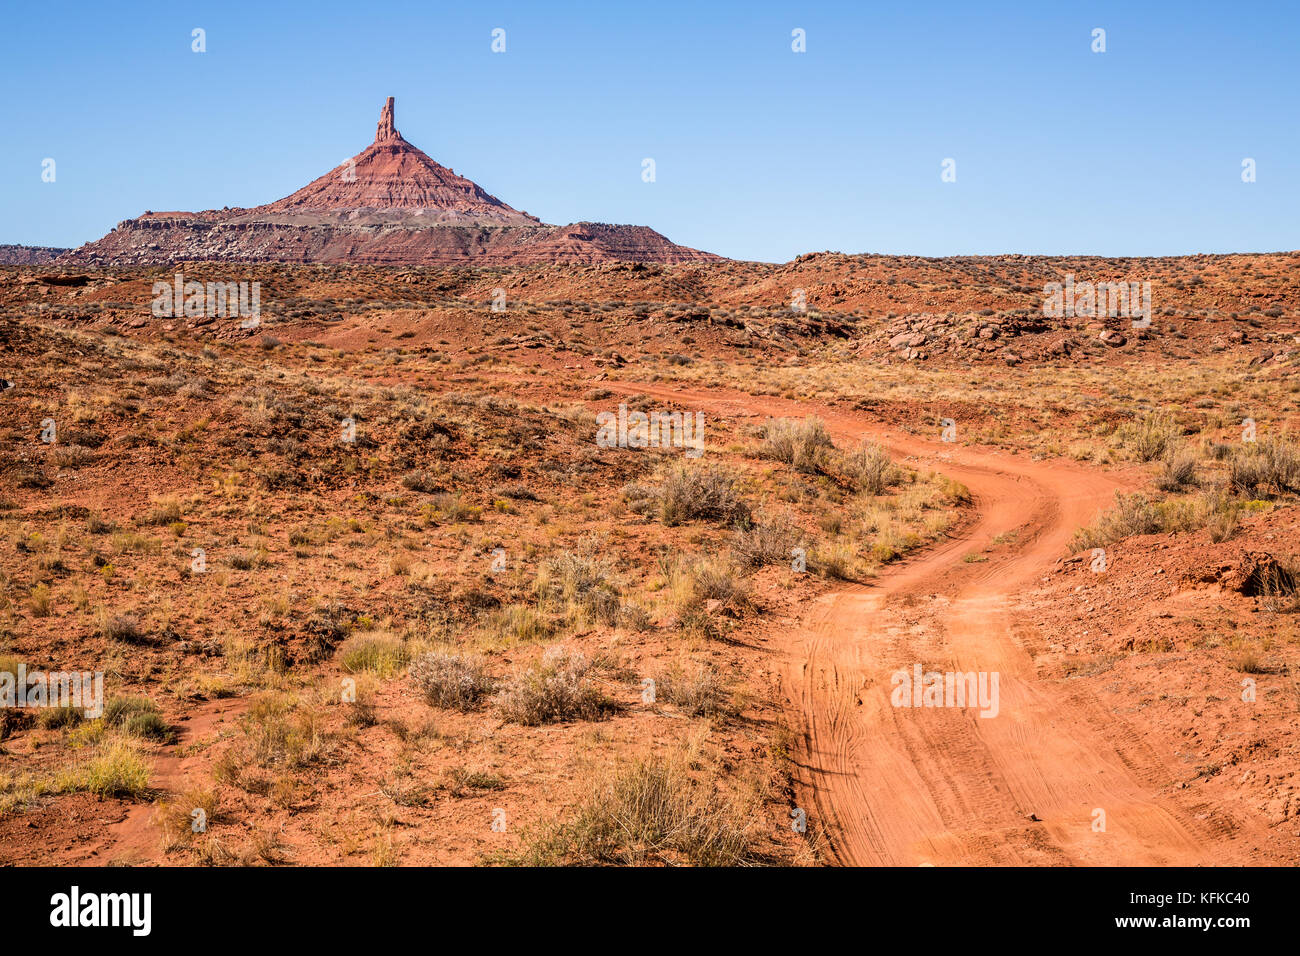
1054,778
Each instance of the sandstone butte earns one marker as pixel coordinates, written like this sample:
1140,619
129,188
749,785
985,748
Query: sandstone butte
391,203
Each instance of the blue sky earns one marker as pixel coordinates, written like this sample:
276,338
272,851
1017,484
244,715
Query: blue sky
760,152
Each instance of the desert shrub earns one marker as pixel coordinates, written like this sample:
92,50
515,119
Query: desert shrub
39,601
1269,467
96,524
802,443
1222,522
248,560
277,732
451,680
650,811
163,512
54,718
422,481
1246,660
839,560
718,579
583,580
868,469
707,492
72,456
137,716
555,689
1177,469
1150,438
700,693
519,492
117,770
122,627
177,819
635,617
767,541
462,780
1275,584
377,652
453,509
517,623
1131,515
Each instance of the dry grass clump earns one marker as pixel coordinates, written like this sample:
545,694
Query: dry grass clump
1132,515
186,815
583,581
514,623
691,492
122,627
164,511
453,681
557,688
116,770
868,469
381,653
804,444
40,601
713,582
767,541
652,811
138,717
1267,467
278,732
1135,514
423,481
1177,469
699,693
838,560
1150,438
719,579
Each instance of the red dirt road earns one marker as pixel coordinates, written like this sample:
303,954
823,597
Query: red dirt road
932,785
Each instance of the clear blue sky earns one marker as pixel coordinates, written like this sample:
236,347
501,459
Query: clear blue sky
761,153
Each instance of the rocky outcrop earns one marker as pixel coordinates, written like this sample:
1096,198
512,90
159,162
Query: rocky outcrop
386,131
28,255
391,203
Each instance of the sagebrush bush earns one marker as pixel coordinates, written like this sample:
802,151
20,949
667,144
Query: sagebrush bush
652,810
707,492
700,693
868,469
452,681
1177,470
1132,514
1267,467
802,443
556,689
122,627
767,541
1150,438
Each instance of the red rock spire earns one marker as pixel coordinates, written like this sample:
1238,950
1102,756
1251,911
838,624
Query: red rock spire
386,132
